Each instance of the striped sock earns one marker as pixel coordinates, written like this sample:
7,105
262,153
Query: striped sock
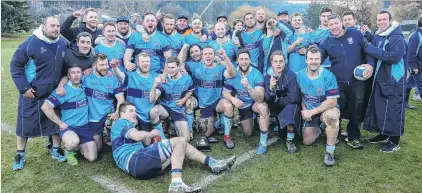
263,138
228,121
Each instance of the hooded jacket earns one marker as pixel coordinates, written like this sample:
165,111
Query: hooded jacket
74,58
415,49
71,33
287,91
37,63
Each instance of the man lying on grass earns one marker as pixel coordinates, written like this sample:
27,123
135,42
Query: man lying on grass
135,154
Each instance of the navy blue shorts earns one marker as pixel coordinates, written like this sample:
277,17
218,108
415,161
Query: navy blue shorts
209,111
144,126
175,116
98,127
145,163
84,133
246,113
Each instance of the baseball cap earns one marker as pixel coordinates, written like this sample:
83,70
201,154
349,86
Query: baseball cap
283,11
221,16
181,16
122,18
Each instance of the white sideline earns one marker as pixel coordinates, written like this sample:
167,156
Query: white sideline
207,180
111,185
8,128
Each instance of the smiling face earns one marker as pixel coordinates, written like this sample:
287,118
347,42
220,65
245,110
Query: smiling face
172,69
313,60
336,27
197,26
283,17
243,62
182,23
91,19
51,28
129,113
297,22
102,67
84,44
383,21
238,26
220,30
123,27
222,20
74,74
278,63
150,22
109,33
195,53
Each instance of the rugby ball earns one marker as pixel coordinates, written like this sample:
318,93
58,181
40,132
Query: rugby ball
358,72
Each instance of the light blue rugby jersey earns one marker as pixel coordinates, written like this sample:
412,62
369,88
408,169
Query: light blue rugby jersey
255,79
251,41
208,82
101,92
123,147
74,105
297,62
175,41
138,90
155,48
188,65
174,90
228,47
315,91
117,51
192,39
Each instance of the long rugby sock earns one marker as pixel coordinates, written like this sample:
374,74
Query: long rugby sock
222,118
290,135
228,121
330,148
263,138
159,127
189,117
209,161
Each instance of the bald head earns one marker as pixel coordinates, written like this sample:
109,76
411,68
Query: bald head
260,15
220,30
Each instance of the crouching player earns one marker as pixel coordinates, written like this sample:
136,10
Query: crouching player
248,85
134,153
74,129
176,92
282,94
319,92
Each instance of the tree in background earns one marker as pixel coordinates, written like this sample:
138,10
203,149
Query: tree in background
406,10
14,17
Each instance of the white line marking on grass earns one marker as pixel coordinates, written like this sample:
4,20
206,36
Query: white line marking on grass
111,185
207,180
8,128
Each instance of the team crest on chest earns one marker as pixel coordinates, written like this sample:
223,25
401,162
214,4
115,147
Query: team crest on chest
350,40
43,50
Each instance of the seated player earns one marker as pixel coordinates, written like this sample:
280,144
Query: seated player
134,153
74,129
319,103
282,94
176,91
248,85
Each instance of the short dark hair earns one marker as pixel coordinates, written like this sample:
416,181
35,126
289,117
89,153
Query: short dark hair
73,66
277,53
386,12
249,13
312,49
173,59
235,22
122,106
83,34
325,9
420,22
243,51
349,13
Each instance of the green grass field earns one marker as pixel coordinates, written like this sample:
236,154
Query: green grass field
365,170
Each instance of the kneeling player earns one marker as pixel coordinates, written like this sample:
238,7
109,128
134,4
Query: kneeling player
248,85
74,128
282,94
319,92
134,153
176,92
